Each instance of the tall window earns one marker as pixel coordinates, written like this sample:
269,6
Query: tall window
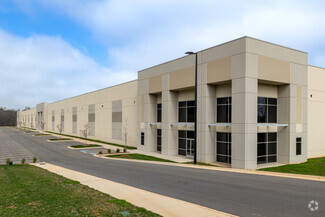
224,110
224,147
266,147
142,138
298,146
267,110
159,112
186,143
158,139
186,111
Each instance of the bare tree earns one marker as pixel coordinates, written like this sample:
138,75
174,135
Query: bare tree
125,134
26,108
60,128
85,132
20,123
8,117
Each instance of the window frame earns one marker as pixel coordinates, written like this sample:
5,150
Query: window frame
228,144
228,105
159,140
267,107
185,138
187,107
267,142
142,138
159,112
298,144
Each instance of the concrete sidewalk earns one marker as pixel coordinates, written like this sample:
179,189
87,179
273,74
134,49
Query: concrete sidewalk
163,205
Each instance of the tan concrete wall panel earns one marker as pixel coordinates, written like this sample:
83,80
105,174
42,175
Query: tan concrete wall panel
219,70
142,108
267,90
299,105
223,90
155,84
271,69
181,79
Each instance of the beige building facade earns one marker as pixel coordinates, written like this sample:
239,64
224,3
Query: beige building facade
258,103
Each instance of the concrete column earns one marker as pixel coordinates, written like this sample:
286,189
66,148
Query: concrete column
244,110
169,115
206,115
150,117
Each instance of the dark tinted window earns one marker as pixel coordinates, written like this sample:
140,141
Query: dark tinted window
158,112
261,113
298,146
186,111
223,145
266,110
224,110
266,147
142,138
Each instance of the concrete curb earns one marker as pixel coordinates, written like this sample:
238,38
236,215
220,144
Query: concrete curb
163,205
254,172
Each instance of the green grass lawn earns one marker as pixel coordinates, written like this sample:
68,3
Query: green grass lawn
139,157
93,140
31,191
85,146
41,134
61,139
314,166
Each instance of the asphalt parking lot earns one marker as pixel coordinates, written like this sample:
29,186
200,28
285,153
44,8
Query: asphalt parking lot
235,193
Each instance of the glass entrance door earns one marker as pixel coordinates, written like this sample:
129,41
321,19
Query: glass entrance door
190,148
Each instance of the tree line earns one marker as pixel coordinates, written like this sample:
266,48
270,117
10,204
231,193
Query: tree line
8,117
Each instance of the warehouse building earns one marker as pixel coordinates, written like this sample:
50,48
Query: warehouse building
258,103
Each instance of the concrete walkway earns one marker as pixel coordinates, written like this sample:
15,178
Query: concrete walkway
163,205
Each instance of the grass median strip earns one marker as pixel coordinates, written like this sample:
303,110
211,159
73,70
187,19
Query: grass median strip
93,140
139,157
313,166
85,146
61,139
41,134
32,191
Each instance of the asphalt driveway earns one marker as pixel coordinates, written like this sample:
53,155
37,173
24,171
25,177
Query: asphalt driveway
236,193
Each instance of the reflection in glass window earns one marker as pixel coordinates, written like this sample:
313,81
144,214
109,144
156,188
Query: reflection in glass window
266,110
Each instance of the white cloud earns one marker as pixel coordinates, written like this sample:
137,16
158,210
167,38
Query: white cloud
43,68
142,33
150,32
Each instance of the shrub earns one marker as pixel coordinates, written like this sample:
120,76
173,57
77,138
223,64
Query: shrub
124,150
109,151
23,161
7,161
118,150
34,159
100,152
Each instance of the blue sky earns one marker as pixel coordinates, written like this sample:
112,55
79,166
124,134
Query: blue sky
54,49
